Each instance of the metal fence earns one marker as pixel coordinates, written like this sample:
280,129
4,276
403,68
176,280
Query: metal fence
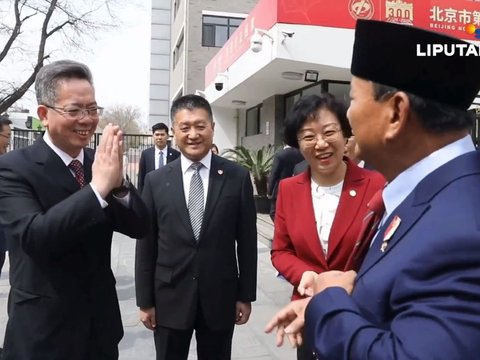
133,147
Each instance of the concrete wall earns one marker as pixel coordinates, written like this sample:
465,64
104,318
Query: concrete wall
226,130
159,62
197,57
271,125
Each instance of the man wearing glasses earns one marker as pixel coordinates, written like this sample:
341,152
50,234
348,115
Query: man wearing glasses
59,205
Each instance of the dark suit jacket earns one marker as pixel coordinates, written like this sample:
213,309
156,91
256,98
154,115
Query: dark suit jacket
300,167
174,272
147,162
3,242
296,246
419,298
62,298
284,162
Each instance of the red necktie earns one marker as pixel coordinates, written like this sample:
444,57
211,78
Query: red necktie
77,168
367,232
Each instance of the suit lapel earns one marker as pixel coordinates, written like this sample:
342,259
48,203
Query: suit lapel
54,167
351,199
409,215
151,159
216,180
305,207
418,202
176,194
87,164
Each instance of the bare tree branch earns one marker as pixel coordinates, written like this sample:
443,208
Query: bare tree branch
68,20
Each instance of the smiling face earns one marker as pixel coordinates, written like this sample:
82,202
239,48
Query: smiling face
70,135
322,144
193,131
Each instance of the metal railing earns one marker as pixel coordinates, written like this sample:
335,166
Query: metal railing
133,147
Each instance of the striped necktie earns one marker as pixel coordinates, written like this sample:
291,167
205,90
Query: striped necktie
77,168
195,200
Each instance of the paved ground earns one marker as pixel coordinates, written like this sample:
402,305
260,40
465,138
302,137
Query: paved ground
249,342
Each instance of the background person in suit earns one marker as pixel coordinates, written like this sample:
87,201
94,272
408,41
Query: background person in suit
319,212
59,205
5,133
284,162
156,156
197,268
417,292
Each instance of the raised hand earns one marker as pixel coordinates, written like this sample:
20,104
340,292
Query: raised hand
107,168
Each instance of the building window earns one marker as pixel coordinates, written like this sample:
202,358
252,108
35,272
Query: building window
216,30
177,53
253,121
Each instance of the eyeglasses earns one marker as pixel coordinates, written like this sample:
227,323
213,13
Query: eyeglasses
76,112
311,139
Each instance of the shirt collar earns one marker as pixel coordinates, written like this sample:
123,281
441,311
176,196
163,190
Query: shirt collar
67,159
158,150
398,190
185,162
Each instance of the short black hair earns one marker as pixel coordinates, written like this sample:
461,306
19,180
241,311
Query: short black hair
307,106
432,115
190,102
4,121
159,126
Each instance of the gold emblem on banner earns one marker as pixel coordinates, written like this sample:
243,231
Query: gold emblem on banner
399,11
361,9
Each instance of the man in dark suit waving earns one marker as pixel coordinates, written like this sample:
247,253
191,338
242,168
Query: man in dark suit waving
157,156
196,269
59,205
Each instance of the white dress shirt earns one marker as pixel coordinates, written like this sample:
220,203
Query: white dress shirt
325,203
204,172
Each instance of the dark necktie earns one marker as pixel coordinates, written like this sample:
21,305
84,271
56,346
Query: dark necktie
367,232
195,200
160,160
77,168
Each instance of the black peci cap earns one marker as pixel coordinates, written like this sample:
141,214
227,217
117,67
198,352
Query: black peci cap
427,64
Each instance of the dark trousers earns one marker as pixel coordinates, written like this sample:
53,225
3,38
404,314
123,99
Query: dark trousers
172,344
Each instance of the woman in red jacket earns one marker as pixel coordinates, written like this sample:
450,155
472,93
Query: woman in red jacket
320,211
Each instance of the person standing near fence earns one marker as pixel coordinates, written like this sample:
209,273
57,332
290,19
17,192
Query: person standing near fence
158,155
59,206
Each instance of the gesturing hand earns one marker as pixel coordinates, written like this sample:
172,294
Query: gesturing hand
313,283
107,168
289,321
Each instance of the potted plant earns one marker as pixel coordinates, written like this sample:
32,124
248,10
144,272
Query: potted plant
259,163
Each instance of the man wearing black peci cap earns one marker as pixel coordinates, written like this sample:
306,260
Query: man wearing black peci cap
417,293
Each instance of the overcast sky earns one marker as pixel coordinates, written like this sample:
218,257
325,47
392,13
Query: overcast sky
119,60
